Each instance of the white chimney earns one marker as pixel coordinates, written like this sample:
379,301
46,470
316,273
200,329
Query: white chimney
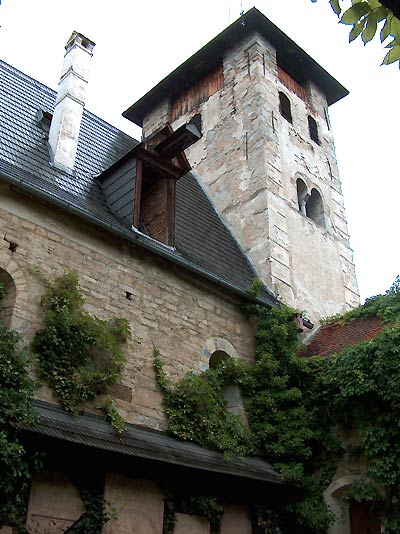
68,110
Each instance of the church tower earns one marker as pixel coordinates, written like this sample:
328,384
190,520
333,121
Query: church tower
266,157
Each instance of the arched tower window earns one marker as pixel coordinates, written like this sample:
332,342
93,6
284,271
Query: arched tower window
302,195
313,129
8,292
315,208
284,107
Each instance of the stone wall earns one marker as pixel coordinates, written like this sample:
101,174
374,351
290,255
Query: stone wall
249,159
168,308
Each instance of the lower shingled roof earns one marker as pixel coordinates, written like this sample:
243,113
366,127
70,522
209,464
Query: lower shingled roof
141,442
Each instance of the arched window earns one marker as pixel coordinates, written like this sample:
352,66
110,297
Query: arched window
284,107
232,392
8,293
217,358
315,208
302,195
313,129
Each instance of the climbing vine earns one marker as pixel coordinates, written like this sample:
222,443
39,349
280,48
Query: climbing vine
195,407
292,404
289,424
205,506
364,385
78,355
98,513
16,411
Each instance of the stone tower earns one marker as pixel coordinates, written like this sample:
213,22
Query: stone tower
267,157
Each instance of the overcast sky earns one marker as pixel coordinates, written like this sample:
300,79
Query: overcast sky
140,42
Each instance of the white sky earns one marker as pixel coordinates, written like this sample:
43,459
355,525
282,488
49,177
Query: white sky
140,42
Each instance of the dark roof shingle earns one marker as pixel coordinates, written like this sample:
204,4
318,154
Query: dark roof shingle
203,242
141,442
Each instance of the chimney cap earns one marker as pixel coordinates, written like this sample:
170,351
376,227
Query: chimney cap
79,39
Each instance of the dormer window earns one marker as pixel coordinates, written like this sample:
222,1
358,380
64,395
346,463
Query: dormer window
140,188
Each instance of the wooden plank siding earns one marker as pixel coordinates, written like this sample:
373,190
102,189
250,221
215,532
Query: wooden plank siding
197,93
292,85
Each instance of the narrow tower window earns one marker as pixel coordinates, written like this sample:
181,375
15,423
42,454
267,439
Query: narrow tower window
284,107
315,208
301,195
313,129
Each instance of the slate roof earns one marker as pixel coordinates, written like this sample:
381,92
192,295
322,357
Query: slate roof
141,442
203,243
333,338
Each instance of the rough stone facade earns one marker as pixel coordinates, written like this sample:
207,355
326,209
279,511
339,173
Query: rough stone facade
186,319
168,309
249,159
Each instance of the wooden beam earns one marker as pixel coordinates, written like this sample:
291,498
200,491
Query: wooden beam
178,141
161,164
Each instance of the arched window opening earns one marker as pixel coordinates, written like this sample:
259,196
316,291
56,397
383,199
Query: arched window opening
315,208
284,107
8,293
313,129
232,392
302,195
217,358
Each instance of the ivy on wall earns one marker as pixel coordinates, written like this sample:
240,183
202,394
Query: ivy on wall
78,355
204,506
292,404
16,411
364,384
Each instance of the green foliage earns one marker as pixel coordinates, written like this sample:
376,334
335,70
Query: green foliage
16,411
204,506
195,407
289,419
255,287
292,403
79,355
98,513
363,383
114,417
287,416
386,306
364,16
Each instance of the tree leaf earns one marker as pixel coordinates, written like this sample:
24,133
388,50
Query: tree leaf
353,14
370,29
385,31
395,26
392,56
336,6
374,4
395,42
381,13
356,30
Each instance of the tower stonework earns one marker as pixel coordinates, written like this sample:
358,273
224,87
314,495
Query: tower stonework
267,160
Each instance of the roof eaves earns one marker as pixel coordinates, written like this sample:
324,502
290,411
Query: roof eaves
141,442
22,181
212,53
